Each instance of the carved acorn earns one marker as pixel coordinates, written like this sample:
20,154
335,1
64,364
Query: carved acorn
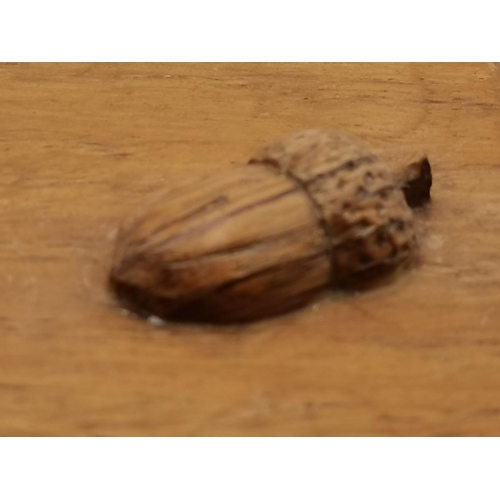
314,211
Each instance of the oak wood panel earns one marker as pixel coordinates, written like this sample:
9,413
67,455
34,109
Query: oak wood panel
83,145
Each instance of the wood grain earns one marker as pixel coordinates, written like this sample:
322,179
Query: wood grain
83,145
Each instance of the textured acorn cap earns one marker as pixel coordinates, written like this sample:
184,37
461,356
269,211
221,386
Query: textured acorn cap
359,203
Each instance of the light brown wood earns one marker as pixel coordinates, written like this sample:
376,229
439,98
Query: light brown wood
83,145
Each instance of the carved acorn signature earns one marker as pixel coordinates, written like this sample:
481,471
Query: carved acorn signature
314,211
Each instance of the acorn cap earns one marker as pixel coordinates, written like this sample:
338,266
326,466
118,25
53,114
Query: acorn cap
359,203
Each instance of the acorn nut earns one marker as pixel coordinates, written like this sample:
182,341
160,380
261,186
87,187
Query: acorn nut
314,211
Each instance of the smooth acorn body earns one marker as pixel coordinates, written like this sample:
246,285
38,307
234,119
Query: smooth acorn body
241,245
310,212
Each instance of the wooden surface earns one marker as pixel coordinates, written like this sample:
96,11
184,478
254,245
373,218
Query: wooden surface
83,145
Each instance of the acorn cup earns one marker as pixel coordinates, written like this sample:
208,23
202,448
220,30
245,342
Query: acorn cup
312,212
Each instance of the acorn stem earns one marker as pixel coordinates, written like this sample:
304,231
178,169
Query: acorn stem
414,177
